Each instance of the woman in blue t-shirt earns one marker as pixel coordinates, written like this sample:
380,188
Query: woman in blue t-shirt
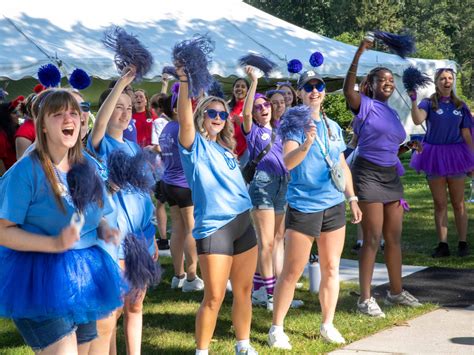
447,156
55,281
268,186
225,238
316,208
377,182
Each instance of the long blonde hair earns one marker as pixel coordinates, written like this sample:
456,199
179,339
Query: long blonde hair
435,97
225,137
48,102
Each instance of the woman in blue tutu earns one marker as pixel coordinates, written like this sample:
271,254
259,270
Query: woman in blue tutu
135,210
447,156
55,282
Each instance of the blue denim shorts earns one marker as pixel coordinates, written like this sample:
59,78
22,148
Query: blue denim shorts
268,191
40,335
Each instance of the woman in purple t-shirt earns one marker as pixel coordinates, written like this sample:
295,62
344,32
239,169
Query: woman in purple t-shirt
447,156
267,188
376,181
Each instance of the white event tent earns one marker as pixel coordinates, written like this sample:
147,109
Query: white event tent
33,33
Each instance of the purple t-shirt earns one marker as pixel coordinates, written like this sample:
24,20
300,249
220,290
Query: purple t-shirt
379,131
173,170
131,132
444,125
257,139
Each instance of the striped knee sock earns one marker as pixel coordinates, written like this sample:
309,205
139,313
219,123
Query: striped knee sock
257,282
269,284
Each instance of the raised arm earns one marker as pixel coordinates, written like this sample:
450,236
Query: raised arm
417,115
249,100
352,96
165,80
187,131
294,153
107,108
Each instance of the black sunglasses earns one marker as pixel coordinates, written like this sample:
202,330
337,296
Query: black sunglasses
85,106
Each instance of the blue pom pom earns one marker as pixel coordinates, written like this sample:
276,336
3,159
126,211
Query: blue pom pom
414,79
295,66
259,62
216,90
401,45
49,75
140,269
3,94
316,59
195,56
85,185
128,50
295,121
118,166
170,70
79,79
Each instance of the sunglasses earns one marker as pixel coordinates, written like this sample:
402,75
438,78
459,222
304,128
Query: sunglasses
260,107
85,106
319,86
213,114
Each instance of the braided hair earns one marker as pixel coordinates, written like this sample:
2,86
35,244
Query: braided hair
368,89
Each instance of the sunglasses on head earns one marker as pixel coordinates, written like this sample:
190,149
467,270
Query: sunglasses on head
213,114
319,86
260,107
85,106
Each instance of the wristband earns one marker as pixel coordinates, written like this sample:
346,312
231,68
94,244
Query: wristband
353,198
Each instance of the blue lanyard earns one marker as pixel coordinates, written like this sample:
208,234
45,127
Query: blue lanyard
323,147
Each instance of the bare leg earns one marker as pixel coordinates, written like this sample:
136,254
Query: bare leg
279,244
133,320
265,228
440,200
162,219
65,346
105,329
456,194
190,250
392,232
178,235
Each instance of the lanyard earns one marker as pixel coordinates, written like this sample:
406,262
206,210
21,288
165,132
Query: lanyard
323,147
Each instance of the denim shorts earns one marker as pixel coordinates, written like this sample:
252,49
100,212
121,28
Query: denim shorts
268,191
40,335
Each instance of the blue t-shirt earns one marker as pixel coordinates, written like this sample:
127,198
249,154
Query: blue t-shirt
444,125
379,132
134,210
310,188
218,188
131,132
257,139
173,170
27,199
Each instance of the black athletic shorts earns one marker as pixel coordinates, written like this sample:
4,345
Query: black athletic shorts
159,192
176,195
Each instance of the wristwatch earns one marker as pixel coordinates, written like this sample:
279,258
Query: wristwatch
353,198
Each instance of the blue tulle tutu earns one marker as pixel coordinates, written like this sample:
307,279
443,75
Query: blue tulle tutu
85,284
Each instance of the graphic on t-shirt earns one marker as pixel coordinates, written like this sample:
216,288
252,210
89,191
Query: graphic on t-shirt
230,160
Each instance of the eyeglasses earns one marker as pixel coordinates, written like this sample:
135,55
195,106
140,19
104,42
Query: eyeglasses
213,114
319,86
85,106
260,107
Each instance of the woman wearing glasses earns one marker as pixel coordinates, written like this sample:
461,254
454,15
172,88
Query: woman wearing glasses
377,182
267,188
225,238
447,156
316,209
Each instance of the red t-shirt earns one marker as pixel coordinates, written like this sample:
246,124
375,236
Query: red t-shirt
7,151
27,130
236,115
144,127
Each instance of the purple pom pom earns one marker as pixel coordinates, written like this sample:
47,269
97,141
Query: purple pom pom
401,45
175,88
49,75
140,269
85,185
79,79
170,70
259,62
294,66
414,79
295,121
216,90
316,59
3,94
195,56
128,50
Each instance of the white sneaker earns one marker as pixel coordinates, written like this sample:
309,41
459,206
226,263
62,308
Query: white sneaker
270,303
177,282
228,288
245,350
259,297
370,308
297,304
196,285
279,340
331,334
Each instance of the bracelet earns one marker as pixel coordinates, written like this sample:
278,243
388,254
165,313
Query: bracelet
352,72
183,81
353,198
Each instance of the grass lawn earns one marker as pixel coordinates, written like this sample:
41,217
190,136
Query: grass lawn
169,315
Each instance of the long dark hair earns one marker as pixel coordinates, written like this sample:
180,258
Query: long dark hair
368,89
7,124
233,101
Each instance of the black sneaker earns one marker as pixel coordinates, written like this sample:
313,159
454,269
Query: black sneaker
356,248
163,244
463,249
441,251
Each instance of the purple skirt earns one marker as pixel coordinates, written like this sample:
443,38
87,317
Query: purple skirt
443,159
